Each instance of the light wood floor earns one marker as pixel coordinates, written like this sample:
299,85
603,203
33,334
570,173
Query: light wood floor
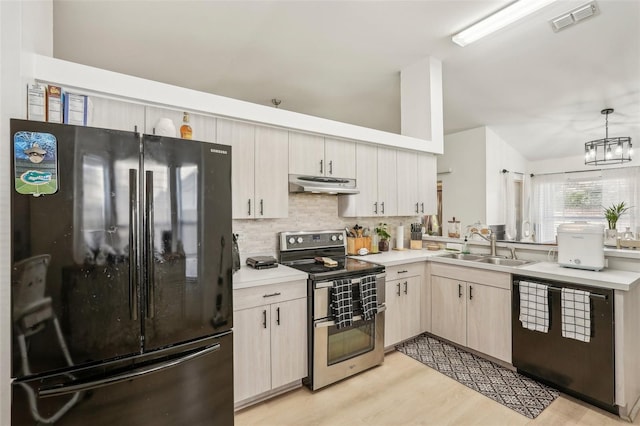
403,391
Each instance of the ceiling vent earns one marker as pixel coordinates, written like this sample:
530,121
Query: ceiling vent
574,16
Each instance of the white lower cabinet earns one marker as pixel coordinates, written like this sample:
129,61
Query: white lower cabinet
270,339
402,297
472,307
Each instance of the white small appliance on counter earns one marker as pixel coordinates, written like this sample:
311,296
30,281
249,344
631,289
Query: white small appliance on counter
581,245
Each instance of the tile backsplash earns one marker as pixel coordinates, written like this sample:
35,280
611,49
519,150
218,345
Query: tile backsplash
307,212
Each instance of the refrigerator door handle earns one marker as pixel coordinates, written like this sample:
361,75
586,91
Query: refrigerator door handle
149,261
80,386
133,244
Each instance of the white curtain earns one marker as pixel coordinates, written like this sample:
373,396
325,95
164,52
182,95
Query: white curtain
509,206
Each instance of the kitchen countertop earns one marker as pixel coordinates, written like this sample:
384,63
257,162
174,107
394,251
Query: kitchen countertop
607,278
246,276
399,257
542,247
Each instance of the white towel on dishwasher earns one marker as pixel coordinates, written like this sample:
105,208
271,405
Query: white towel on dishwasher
576,314
534,306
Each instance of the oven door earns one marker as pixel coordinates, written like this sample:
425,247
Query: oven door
342,352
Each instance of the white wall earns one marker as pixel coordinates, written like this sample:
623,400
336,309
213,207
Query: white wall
463,190
23,26
10,46
500,155
307,212
474,190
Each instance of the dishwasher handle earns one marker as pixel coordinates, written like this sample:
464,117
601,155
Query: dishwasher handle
559,289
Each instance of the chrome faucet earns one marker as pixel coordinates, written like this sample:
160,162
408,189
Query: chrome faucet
491,238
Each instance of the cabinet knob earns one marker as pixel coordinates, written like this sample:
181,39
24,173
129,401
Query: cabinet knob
405,287
470,292
459,290
264,318
398,293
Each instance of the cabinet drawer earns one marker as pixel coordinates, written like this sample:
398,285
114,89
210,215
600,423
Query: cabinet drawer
403,271
266,294
474,275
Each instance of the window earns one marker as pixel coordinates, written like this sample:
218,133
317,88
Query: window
582,196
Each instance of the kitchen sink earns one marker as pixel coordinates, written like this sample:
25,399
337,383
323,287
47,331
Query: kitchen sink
494,260
463,256
503,261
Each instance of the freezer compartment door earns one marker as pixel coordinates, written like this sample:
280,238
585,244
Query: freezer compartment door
192,388
188,244
74,284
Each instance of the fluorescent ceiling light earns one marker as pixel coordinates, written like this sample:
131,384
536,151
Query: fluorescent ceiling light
499,20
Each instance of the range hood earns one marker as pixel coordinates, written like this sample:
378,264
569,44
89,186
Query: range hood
322,185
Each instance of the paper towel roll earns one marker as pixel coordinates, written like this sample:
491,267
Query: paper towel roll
400,237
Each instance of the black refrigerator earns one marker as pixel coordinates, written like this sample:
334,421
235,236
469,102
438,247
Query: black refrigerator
121,278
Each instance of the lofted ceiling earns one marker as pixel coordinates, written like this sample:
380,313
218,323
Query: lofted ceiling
540,91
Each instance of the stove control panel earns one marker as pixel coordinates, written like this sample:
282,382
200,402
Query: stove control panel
300,240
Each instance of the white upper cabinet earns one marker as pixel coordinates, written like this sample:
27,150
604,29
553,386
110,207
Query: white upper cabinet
259,178
241,137
203,127
314,155
377,182
271,177
427,183
365,203
114,114
340,158
387,182
416,183
306,154
408,203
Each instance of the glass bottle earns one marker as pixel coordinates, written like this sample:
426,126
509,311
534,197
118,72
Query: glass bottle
454,228
185,129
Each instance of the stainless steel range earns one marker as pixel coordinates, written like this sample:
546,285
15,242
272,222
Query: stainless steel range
346,303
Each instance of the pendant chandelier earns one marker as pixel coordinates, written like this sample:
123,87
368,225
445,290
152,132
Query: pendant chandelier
608,150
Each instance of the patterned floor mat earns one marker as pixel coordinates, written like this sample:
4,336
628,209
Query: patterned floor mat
513,390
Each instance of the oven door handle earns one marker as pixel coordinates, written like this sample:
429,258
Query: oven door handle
356,318
329,284
326,284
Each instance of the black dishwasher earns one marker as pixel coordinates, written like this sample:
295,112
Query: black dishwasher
582,369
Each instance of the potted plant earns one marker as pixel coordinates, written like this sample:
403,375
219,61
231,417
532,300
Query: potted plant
382,232
612,214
